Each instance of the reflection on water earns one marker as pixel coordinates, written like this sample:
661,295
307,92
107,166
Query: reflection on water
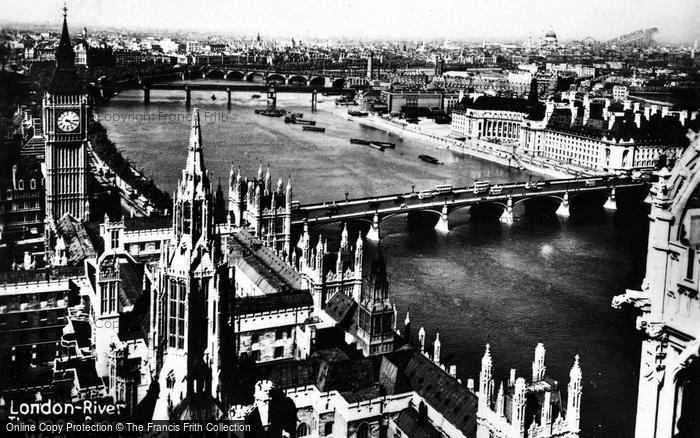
540,280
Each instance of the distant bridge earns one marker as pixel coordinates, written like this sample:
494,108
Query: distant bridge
189,87
441,203
638,38
314,78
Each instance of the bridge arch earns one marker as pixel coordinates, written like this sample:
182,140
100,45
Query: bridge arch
276,79
215,74
407,212
526,199
297,80
317,81
256,77
235,76
338,83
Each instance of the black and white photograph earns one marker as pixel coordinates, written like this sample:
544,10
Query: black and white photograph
350,219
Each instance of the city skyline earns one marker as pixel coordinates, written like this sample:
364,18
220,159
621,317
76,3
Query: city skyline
311,19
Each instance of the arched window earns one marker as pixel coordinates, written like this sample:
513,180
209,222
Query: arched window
302,430
363,431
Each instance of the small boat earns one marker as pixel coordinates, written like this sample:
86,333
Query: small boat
213,97
313,129
377,147
298,115
386,144
288,119
358,113
255,96
305,122
429,159
359,141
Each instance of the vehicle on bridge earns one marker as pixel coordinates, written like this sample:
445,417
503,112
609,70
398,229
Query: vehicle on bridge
443,188
425,194
533,185
481,186
495,190
590,183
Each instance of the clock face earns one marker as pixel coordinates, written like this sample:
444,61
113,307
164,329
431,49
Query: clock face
68,121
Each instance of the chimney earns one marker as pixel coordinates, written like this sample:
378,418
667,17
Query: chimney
654,109
470,385
626,105
606,113
682,117
664,111
586,108
635,106
573,110
611,122
638,119
647,112
14,177
549,109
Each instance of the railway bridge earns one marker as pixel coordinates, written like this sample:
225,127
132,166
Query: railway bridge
496,202
189,86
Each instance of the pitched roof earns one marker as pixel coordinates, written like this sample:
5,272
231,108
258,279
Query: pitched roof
272,302
410,423
78,244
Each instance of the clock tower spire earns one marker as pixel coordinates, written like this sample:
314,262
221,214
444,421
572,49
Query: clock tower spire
65,117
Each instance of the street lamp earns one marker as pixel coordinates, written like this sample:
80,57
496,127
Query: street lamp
413,187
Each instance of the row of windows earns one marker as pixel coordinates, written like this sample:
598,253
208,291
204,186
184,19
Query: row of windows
42,317
277,354
20,186
109,298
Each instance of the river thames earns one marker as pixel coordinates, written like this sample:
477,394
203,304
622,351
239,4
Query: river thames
541,279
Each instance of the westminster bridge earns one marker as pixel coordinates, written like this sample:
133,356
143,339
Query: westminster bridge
438,204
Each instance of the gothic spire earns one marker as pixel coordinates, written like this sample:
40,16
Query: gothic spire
195,162
65,56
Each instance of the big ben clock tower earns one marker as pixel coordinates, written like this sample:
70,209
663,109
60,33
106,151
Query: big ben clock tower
65,117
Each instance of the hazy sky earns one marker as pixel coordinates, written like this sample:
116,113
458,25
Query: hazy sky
677,20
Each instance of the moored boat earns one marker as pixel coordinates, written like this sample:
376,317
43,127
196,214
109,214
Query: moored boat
358,113
386,144
313,129
429,159
359,141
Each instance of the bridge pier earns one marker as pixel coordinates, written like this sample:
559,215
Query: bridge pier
272,97
443,224
188,96
228,97
507,216
146,95
314,100
373,233
563,209
611,203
